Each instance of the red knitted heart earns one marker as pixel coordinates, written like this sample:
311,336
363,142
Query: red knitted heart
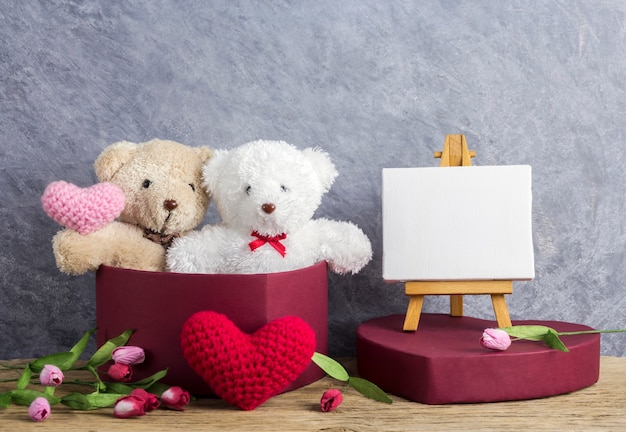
246,370
83,209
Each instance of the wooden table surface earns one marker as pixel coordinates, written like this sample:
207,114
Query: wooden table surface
599,407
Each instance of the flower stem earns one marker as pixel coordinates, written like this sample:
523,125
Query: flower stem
590,332
84,383
6,366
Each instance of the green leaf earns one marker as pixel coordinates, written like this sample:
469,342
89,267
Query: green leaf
76,401
369,389
157,388
147,382
99,385
103,354
103,400
77,350
119,388
26,397
90,401
64,360
553,341
24,379
58,359
330,366
5,399
529,332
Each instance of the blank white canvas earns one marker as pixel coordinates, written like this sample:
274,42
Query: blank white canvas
457,223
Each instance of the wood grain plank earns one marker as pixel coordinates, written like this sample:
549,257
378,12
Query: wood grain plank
599,407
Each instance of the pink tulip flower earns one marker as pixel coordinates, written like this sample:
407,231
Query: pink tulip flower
128,355
175,398
39,409
150,401
120,372
331,399
495,339
51,375
129,406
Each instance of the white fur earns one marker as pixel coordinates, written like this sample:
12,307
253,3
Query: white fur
240,181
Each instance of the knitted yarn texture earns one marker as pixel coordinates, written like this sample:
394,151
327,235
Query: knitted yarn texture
246,370
83,209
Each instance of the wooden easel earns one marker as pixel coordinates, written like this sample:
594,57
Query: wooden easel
455,153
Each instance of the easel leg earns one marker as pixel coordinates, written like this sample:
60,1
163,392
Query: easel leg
413,313
501,311
456,305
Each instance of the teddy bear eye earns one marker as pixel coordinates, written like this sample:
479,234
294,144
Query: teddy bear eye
283,188
248,189
146,183
193,188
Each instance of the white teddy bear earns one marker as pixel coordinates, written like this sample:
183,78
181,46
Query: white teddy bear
266,193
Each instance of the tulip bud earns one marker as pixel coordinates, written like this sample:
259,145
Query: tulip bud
51,375
175,398
495,339
39,409
331,399
150,401
129,406
128,355
120,372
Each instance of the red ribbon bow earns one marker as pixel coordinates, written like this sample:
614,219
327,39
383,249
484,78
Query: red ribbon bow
274,241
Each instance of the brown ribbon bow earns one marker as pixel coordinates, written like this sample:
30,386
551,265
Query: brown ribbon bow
164,240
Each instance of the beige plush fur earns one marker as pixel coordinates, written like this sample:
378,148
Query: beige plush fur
162,184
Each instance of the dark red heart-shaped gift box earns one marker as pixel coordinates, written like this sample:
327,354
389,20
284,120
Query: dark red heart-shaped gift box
157,305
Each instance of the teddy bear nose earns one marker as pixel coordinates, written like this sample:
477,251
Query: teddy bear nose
170,204
268,208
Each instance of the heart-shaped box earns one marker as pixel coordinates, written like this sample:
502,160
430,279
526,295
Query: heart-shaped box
443,362
156,305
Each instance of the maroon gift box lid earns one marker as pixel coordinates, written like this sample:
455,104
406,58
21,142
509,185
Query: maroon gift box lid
443,361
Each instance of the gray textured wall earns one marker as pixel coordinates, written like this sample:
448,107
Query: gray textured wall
377,84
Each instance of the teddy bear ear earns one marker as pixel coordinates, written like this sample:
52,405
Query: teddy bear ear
204,153
322,165
113,158
211,171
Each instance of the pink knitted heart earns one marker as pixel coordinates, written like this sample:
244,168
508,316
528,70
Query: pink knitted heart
84,210
246,370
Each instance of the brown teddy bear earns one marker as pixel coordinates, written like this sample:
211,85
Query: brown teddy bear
164,198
